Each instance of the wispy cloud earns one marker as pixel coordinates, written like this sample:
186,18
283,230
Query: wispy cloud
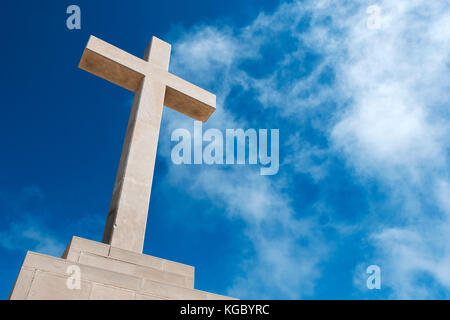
395,129
28,225
30,235
378,99
24,227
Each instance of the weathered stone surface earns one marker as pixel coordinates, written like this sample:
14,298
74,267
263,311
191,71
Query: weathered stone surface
127,216
45,277
23,284
136,258
171,292
102,292
152,262
113,64
136,270
59,266
78,245
51,286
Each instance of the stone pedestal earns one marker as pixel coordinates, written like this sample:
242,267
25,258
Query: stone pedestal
106,273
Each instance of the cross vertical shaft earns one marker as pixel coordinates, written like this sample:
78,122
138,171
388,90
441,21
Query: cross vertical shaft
127,215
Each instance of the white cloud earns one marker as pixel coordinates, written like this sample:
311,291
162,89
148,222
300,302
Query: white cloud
386,113
205,52
410,255
287,249
26,225
395,130
308,159
28,234
443,195
391,124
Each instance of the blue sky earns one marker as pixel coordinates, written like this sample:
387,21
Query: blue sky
364,142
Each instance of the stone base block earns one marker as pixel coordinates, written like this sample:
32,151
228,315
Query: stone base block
105,273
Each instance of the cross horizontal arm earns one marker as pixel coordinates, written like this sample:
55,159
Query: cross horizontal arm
187,98
113,64
119,67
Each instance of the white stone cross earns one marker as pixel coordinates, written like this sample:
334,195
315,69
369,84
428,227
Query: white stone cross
154,87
